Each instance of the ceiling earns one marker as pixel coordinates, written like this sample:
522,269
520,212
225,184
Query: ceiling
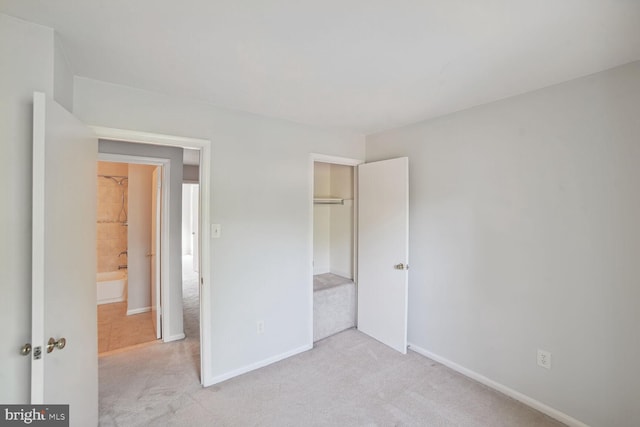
362,65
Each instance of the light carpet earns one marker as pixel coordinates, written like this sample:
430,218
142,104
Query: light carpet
348,379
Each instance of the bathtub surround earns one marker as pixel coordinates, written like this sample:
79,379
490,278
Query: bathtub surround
111,219
111,286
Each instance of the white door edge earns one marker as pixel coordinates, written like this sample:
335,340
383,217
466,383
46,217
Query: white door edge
37,263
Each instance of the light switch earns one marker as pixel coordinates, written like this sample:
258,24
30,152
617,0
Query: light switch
215,231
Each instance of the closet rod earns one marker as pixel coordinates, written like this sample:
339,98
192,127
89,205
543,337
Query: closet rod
113,176
320,201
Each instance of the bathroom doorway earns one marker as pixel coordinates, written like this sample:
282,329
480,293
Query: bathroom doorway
129,232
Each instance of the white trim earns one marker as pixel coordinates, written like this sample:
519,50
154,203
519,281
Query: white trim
529,401
313,158
165,232
257,365
111,300
176,337
126,135
138,310
37,244
204,145
336,160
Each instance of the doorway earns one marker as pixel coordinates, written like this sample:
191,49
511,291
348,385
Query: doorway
202,148
190,265
380,251
129,232
334,246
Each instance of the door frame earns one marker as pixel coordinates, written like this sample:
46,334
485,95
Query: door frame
204,146
336,160
165,265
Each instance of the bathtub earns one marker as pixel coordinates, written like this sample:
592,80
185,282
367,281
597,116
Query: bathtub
111,286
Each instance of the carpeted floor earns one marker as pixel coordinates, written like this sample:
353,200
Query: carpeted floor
348,379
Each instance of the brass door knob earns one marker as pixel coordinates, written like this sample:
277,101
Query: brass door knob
53,344
26,349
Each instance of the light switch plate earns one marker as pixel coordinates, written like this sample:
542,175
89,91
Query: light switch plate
215,231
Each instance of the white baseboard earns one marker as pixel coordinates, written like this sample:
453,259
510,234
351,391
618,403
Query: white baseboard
219,378
342,274
529,401
138,310
176,337
110,300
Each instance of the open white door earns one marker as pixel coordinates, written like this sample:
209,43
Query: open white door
64,263
383,251
156,220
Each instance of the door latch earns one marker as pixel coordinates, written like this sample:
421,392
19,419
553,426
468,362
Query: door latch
401,266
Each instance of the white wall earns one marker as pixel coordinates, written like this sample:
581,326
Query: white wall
525,234
26,65
333,224
62,76
321,219
139,237
260,194
341,232
186,219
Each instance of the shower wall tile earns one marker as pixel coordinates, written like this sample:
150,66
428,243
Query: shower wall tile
111,233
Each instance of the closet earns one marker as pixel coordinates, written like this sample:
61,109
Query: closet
334,292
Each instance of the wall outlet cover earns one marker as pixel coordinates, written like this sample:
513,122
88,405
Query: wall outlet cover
544,359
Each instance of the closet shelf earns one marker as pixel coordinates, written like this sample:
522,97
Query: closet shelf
328,201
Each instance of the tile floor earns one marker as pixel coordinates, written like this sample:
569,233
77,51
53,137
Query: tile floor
116,330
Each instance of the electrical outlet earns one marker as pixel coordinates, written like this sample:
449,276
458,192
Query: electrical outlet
544,359
260,326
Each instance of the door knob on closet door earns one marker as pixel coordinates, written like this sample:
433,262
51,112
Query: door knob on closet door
401,266
53,344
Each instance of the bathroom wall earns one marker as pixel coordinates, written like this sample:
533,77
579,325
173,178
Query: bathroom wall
139,238
111,232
